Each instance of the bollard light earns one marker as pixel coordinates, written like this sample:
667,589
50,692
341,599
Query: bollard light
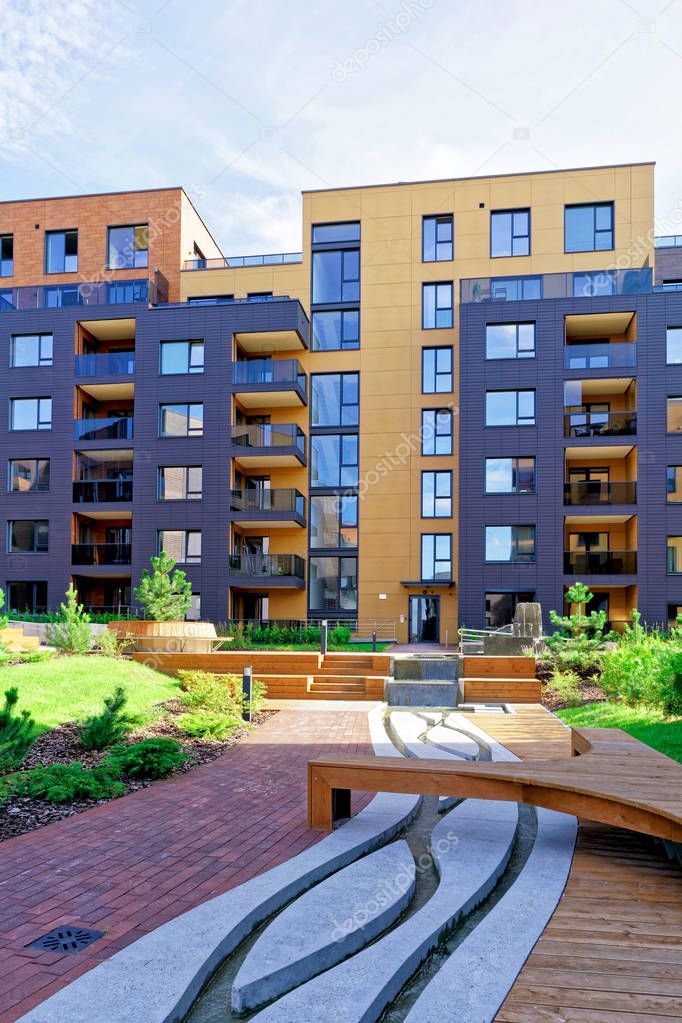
247,687
323,637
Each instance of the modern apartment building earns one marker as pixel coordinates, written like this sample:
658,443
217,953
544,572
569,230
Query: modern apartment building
459,395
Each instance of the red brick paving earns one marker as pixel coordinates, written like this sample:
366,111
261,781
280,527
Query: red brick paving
128,866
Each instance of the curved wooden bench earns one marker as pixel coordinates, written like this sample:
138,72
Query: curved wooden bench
611,778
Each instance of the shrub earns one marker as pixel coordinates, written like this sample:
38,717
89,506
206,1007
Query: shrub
3,618
207,724
17,732
579,639
70,631
64,783
246,636
150,758
220,694
645,667
566,686
107,727
110,644
164,594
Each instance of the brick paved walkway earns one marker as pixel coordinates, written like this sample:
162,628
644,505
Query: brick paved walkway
133,864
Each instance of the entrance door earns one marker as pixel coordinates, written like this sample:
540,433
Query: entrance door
424,619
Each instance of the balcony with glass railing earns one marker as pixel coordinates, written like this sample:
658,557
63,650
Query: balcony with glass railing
58,296
103,428
579,284
600,424
103,491
105,364
100,554
282,506
600,563
255,570
225,262
597,492
260,383
257,445
601,355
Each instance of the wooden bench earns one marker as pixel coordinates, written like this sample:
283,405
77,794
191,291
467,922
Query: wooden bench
611,778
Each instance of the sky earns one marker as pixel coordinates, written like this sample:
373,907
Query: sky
247,102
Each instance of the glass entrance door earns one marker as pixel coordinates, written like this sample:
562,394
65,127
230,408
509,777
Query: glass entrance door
424,619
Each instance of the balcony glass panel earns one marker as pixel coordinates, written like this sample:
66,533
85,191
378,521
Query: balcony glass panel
112,428
105,364
599,424
267,565
100,553
93,491
600,355
600,562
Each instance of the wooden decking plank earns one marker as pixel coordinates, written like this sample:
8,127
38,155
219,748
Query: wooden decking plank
539,962
530,1013
600,981
589,998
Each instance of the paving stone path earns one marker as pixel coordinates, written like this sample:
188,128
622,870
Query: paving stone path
128,866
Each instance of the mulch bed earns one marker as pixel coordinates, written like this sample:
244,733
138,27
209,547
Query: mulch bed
590,692
62,745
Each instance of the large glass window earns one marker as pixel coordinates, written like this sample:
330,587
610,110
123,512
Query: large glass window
180,482
510,543
436,370
510,475
25,595
31,350
436,556
28,475
6,255
336,276
61,252
183,545
510,408
437,238
185,420
335,399
673,348
334,521
674,483
510,341
182,357
674,555
510,233
335,330
436,495
588,227
341,232
128,247
501,607
436,431
27,536
334,460
437,305
333,584
30,413
674,415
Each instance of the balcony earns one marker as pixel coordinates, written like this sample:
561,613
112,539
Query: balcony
600,424
279,507
102,491
252,571
97,554
601,355
585,284
107,428
260,383
600,562
106,364
600,492
223,262
58,296
257,445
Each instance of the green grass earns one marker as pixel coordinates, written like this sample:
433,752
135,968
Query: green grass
71,688
347,648
649,726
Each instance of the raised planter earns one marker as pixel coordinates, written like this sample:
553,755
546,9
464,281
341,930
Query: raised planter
168,637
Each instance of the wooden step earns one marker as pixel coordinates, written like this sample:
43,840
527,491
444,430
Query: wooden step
501,690
498,667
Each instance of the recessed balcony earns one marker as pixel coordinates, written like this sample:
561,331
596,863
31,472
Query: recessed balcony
103,428
600,355
253,571
600,424
261,383
279,507
261,445
104,491
100,554
600,562
106,364
591,492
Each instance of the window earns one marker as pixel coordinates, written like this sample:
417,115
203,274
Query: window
334,460
184,545
27,536
194,612
436,495
30,414
210,299
338,329
510,233
181,420
6,255
437,239
333,584
31,350
61,252
510,475
436,431
436,556
182,357
258,296
27,596
588,227
128,247
510,341
334,521
510,543
501,607
180,482
510,408
336,276
673,348
28,475
674,483
674,555
345,232
335,399
436,370
674,415
436,306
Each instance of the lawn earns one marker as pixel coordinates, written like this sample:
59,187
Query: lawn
649,726
71,688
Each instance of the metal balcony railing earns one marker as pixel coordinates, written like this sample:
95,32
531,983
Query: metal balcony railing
220,262
599,424
56,296
600,492
267,565
102,491
621,355
100,553
105,364
600,562
281,499
109,428
266,435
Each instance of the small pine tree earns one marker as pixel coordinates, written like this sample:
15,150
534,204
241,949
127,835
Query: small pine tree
70,631
111,724
166,595
16,732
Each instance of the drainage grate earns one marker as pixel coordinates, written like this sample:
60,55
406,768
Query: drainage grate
65,939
